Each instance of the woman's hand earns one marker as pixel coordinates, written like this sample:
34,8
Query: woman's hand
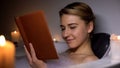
33,61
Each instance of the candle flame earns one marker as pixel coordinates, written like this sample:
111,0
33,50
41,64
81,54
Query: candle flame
2,40
54,39
118,37
15,32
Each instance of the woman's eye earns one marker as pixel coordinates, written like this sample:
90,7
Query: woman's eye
72,27
62,28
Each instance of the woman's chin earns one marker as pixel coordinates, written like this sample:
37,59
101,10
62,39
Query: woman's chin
72,46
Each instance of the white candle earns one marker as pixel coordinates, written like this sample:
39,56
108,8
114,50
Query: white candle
7,53
15,36
115,48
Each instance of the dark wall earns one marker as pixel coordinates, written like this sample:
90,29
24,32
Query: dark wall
107,12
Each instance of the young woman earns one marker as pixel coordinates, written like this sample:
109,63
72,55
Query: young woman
77,24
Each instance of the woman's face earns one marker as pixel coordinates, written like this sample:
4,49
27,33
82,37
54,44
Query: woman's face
74,30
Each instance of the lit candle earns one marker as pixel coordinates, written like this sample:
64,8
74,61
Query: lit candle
115,48
15,36
55,40
7,53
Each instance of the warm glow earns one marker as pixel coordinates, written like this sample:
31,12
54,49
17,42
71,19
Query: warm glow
2,40
118,37
15,35
7,53
15,32
54,39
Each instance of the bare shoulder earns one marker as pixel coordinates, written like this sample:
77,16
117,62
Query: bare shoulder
90,58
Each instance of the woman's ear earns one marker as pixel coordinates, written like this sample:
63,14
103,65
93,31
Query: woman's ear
90,27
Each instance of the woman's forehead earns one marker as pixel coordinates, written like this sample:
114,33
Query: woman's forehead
68,19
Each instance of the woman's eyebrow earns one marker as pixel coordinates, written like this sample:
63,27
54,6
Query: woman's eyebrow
72,24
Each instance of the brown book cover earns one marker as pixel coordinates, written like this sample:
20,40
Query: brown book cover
34,29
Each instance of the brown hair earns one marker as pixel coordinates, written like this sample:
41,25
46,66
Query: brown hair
80,9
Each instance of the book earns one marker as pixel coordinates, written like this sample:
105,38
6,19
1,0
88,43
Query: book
34,29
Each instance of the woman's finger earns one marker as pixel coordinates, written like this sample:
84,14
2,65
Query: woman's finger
28,54
33,54
35,63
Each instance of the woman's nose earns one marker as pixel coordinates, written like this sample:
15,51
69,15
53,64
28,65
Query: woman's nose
66,34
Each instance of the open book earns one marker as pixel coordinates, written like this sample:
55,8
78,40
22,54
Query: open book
34,29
